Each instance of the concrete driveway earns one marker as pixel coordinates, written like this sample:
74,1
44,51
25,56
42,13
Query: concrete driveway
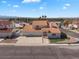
22,40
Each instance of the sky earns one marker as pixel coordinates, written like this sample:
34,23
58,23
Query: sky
37,8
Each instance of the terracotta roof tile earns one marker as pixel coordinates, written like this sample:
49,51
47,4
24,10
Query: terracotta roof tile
53,24
55,30
40,22
6,31
4,23
28,28
45,29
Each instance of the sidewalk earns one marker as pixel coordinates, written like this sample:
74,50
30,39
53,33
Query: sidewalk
73,40
75,31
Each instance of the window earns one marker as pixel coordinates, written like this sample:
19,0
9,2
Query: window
38,27
49,32
54,34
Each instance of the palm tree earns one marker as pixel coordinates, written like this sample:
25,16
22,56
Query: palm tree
44,16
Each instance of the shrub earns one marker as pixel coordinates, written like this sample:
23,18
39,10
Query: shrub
63,35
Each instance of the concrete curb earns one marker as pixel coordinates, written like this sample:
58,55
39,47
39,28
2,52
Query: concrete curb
6,44
12,44
57,44
62,44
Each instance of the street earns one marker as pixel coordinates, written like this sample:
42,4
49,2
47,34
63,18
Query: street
70,33
39,52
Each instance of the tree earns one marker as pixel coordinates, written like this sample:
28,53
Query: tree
67,22
44,16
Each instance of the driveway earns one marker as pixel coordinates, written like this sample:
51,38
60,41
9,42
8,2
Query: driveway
22,40
74,37
70,33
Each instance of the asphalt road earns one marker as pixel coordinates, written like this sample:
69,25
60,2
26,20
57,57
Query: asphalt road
38,52
70,33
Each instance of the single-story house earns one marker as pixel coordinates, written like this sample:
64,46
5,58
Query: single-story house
18,25
73,26
76,21
6,28
29,30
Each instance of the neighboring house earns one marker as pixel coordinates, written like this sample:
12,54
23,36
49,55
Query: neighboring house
73,26
40,28
76,22
6,28
19,25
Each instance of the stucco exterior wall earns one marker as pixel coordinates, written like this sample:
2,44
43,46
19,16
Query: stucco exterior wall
32,33
3,35
58,35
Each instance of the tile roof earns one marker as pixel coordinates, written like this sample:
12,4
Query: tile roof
6,31
55,30
29,28
45,29
3,24
40,22
52,30
75,22
53,24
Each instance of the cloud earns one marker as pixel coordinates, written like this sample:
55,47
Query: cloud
66,6
15,6
41,8
4,1
30,1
